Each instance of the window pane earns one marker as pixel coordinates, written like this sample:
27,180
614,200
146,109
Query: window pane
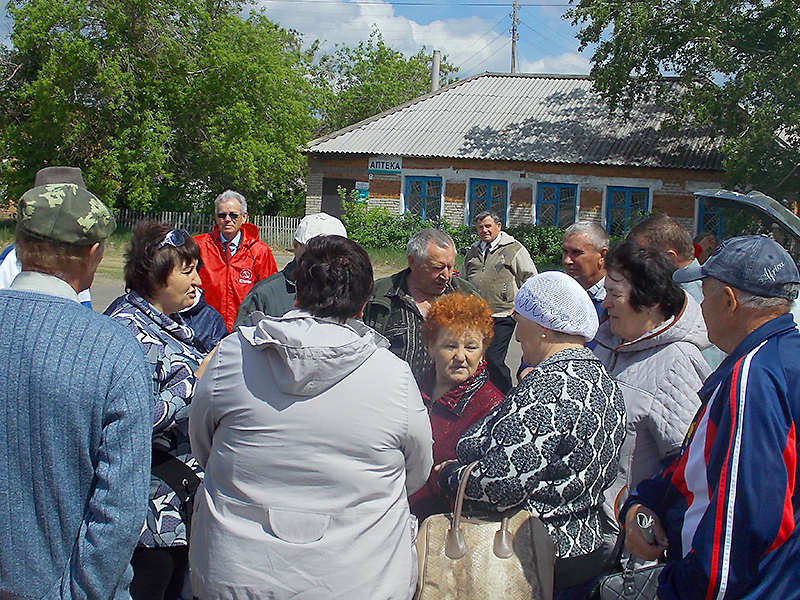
481,190
639,201
547,214
548,194
414,197
616,221
498,192
617,198
566,207
414,205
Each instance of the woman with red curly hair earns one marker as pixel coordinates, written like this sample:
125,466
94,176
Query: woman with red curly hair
456,390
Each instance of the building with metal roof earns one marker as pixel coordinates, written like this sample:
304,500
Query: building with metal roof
539,148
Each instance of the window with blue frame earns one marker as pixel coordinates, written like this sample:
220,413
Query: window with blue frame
424,197
710,219
556,204
626,206
486,194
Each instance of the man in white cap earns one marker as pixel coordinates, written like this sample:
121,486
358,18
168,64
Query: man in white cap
275,295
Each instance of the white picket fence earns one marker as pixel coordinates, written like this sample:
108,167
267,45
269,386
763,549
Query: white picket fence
278,232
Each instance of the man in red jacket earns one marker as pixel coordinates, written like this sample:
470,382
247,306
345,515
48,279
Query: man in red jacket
234,259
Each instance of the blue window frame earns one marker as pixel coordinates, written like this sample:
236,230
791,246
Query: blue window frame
424,197
556,204
626,206
486,194
710,219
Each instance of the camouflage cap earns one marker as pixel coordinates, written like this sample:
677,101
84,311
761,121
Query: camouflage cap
64,212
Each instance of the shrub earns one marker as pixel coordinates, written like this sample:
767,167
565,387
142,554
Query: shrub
376,227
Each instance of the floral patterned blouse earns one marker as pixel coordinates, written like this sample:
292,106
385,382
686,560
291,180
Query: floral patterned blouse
168,346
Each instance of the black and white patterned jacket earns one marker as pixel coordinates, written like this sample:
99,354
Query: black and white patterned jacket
552,447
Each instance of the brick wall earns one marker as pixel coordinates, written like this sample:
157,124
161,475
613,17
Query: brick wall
671,189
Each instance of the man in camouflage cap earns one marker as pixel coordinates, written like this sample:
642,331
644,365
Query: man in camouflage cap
75,411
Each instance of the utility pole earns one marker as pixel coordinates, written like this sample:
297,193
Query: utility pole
514,39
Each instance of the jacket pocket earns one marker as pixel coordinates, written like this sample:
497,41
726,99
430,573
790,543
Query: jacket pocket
298,527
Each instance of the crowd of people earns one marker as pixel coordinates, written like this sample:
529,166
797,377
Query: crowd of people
230,431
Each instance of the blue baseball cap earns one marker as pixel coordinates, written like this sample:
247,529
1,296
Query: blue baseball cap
751,263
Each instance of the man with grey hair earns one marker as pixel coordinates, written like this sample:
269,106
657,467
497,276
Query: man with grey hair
275,295
400,303
725,511
76,411
497,265
234,258
583,254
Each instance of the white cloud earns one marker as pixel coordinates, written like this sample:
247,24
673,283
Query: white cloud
473,44
569,62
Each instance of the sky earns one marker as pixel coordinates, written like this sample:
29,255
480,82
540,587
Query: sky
473,35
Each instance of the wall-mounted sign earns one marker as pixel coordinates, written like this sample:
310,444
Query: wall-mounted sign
385,164
362,189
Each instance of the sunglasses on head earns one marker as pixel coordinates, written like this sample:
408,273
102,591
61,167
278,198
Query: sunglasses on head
174,237
221,216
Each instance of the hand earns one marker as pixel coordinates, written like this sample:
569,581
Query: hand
524,373
441,466
202,368
642,523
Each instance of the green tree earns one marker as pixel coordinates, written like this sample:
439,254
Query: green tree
736,59
357,82
160,102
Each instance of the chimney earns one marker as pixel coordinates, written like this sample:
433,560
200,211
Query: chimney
437,59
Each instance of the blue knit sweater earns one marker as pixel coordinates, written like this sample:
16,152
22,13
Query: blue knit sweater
75,436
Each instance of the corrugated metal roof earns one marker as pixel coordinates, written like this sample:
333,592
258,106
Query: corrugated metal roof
533,118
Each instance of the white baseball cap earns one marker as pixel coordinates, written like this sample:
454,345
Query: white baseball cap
318,224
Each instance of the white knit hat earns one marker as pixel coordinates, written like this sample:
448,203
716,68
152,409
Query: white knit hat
556,301
318,224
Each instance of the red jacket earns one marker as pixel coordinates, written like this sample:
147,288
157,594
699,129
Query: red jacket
225,284
451,415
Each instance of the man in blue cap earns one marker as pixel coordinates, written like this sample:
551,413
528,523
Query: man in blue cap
725,510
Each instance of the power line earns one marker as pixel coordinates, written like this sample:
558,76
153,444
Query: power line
491,29
547,53
484,48
538,20
503,47
557,45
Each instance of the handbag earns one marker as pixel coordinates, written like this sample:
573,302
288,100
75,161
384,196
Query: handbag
486,556
632,583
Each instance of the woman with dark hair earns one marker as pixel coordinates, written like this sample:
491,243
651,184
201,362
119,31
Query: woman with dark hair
161,277
651,344
456,390
311,434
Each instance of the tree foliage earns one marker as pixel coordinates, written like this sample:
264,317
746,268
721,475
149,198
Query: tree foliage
738,61
160,102
357,82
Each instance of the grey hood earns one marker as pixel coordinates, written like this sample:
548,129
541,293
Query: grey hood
687,326
307,354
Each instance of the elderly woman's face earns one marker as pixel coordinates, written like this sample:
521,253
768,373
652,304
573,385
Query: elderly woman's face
624,321
180,290
456,356
530,336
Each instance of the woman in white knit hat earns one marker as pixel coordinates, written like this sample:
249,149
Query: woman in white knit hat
552,445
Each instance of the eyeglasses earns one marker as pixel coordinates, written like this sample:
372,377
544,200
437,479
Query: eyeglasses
221,216
174,237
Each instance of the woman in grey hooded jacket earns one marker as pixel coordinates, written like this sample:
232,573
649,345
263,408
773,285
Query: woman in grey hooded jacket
312,434
651,344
